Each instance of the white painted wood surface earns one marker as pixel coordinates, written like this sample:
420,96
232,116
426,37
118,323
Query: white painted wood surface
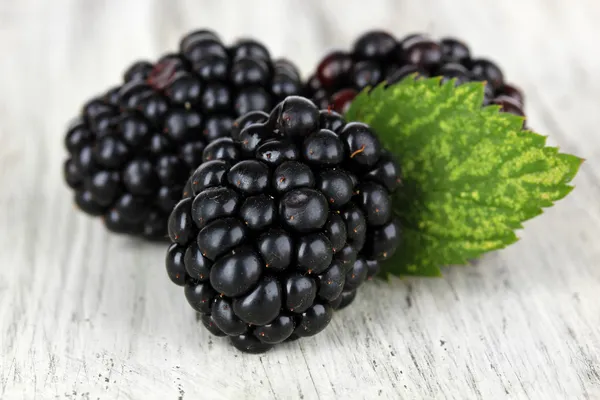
85,314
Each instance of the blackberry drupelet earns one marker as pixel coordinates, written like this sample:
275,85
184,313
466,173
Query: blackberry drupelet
282,223
377,56
132,148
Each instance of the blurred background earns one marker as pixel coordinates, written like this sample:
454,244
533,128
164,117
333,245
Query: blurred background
73,298
57,54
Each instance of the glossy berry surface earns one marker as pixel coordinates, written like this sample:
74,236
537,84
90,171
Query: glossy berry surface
377,56
271,235
132,148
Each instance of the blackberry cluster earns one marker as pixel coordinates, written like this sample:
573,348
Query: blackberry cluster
282,223
377,56
133,147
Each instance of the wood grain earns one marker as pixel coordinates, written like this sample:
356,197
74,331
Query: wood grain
85,314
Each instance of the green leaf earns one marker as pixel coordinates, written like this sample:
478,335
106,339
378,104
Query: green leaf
471,175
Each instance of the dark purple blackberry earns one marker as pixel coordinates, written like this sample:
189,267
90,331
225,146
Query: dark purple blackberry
132,148
273,232
376,56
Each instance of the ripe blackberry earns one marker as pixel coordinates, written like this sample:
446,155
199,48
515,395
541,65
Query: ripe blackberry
133,147
377,56
282,223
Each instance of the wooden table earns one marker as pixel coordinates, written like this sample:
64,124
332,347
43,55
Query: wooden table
85,314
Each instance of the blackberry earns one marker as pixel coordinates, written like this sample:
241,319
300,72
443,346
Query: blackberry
275,229
132,148
377,56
